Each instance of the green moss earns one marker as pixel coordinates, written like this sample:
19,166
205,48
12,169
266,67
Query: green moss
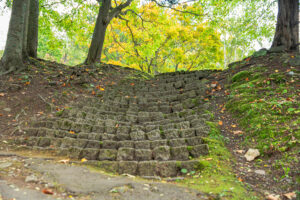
189,148
214,173
240,76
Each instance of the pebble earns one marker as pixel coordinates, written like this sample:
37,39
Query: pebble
5,165
31,179
252,154
260,172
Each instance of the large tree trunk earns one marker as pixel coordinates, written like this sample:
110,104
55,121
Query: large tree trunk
287,29
25,30
12,56
102,22
33,28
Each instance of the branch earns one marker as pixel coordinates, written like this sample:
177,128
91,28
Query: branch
117,10
182,11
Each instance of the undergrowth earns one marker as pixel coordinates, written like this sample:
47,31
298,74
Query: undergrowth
216,176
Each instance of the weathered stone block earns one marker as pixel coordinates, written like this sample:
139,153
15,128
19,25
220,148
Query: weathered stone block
98,129
167,168
127,143
194,141
187,133
177,142
89,154
74,152
109,144
107,154
143,154
142,145
93,144
199,150
154,135
161,153
128,167
183,125
158,143
109,166
44,142
180,153
171,134
60,134
83,135
31,132
123,130
147,168
125,154
137,135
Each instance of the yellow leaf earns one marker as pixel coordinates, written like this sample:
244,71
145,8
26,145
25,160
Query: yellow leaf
83,160
72,132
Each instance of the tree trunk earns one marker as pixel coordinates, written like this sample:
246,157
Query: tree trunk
12,56
102,22
287,28
25,30
33,28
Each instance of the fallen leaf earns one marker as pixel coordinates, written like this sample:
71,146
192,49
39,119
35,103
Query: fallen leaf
72,132
93,92
2,94
64,161
220,123
47,191
238,132
83,160
240,151
233,125
132,84
290,195
272,197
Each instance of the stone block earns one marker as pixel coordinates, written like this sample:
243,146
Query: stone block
171,134
89,154
93,144
107,154
167,168
194,141
143,154
125,154
177,142
142,144
109,144
137,135
179,153
147,168
128,167
199,150
44,142
158,143
187,133
127,143
154,135
161,153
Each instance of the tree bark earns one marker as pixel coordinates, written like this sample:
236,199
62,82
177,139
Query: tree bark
25,30
103,19
287,28
33,28
12,56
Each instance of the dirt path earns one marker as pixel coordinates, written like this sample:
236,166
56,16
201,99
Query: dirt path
30,178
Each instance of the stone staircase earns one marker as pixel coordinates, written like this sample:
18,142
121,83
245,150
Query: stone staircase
147,128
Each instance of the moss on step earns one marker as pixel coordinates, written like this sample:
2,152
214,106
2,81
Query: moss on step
216,175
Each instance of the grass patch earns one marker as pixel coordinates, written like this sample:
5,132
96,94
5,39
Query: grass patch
216,176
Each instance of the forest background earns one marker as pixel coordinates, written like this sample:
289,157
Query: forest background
158,39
